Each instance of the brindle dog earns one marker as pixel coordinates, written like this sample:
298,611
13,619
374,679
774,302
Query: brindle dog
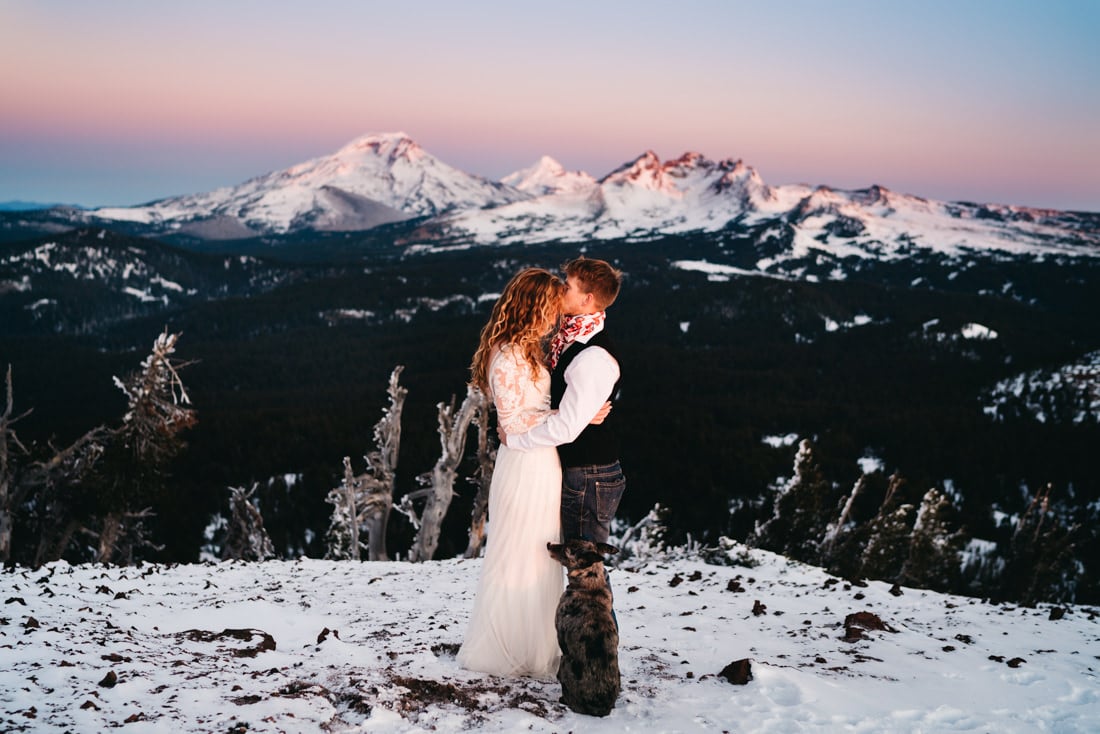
587,632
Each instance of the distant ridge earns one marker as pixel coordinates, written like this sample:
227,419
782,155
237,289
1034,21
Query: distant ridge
388,178
30,206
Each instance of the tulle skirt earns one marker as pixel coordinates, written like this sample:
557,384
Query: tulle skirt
511,630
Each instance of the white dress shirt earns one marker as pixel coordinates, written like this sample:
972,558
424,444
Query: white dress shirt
589,380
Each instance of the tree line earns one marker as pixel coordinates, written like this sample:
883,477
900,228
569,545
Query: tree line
885,528
91,500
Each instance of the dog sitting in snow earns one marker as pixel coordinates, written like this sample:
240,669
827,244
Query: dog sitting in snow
587,632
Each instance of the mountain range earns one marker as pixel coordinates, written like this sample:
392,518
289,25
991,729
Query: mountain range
382,179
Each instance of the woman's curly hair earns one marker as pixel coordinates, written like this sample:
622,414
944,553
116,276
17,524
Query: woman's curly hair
523,315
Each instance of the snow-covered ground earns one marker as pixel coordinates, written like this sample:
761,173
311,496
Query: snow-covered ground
310,646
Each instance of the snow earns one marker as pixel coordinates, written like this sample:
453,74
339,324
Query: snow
869,464
143,295
337,315
1032,392
977,331
40,303
832,325
715,270
547,176
311,646
778,442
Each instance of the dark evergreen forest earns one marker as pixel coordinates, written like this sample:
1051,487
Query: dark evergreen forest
289,379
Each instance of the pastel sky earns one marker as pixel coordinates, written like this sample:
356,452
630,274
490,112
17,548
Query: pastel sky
125,101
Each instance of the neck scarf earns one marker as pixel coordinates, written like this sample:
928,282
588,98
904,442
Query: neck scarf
583,324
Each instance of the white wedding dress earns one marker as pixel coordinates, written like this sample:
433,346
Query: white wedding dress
511,630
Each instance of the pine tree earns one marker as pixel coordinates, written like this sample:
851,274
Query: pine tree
246,539
1041,563
888,535
934,547
133,470
798,522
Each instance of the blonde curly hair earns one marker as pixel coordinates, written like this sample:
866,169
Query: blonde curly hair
524,314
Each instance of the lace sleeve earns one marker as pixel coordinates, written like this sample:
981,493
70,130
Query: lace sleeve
513,390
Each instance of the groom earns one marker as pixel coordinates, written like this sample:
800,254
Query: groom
584,374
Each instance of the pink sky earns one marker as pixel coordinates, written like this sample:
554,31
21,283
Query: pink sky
119,103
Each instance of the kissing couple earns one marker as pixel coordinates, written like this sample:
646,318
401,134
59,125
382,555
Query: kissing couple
557,474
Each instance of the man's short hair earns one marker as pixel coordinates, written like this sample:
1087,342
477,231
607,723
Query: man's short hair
597,277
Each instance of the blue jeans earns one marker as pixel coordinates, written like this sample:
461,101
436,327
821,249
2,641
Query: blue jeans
589,497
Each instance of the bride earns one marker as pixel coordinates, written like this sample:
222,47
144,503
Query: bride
511,630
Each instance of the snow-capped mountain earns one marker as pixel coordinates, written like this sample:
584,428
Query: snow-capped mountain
547,176
386,178
647,197
373,180
641,198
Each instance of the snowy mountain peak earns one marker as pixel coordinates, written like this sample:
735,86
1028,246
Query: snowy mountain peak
374,179
391,146
644,172
547,176
690,159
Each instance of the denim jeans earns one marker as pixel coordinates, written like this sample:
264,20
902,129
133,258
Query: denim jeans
589,497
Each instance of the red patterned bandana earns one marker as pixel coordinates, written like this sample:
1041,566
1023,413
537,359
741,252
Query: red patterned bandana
572,327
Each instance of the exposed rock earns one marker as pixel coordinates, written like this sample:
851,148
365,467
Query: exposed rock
739,672
855,624
267,642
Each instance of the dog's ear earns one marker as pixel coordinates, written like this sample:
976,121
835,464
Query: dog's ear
606,549
555,551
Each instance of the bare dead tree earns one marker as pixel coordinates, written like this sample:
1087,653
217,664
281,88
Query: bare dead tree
382,470
56,485
141,447
364,502
9,494
483,478
439,489
246,539
120,534
835,530
10,497
342,538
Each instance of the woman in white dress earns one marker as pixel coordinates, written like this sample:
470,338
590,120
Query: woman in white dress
511,630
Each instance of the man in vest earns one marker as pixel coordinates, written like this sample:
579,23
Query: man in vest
584,374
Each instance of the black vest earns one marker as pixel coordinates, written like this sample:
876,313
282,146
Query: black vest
596,444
